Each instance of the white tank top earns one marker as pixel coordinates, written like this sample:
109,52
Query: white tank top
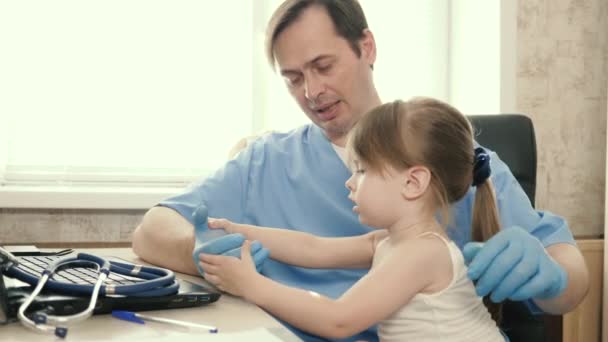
453,314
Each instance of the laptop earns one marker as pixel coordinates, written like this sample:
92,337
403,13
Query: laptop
14,292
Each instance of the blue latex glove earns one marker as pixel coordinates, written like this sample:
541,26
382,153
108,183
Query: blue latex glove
514,265
216,241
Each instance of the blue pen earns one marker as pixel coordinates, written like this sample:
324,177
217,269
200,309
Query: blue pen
139,318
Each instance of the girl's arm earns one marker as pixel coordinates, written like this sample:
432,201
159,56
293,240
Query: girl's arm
406,271
307,250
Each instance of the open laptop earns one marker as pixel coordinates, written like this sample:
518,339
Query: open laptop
13,293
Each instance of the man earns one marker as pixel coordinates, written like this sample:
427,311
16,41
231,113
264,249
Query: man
325,52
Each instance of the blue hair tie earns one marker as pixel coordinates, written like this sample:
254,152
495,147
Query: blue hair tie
481,166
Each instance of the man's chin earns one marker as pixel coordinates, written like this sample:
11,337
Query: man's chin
335,132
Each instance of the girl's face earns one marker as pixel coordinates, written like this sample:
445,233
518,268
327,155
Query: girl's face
377,196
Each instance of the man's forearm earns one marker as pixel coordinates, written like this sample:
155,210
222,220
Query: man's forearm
571,259
166,239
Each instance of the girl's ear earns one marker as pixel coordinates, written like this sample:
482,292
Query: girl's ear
416,181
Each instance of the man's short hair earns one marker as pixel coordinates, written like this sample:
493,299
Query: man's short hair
347,16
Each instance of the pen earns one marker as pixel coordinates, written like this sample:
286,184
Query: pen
139,318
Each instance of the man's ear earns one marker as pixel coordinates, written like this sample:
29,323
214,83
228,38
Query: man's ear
416,181
367,45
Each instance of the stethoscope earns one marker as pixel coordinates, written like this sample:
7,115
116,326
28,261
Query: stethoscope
156,282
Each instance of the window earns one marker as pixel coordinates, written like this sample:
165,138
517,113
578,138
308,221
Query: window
117,104
123,91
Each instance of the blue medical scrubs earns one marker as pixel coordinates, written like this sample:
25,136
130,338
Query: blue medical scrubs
295,180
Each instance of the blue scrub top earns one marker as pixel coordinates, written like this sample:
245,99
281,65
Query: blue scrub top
295,180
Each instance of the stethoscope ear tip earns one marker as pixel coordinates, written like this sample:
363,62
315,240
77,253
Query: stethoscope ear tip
61,332
39,318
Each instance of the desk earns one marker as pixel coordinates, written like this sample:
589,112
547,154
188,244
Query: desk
229,314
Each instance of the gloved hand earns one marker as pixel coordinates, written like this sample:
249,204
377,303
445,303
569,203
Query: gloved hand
513,264
216,241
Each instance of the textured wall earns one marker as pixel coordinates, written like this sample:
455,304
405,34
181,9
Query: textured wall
48,226
562,84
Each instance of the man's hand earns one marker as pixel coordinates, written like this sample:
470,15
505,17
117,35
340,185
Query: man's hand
216,241
230,274
514,265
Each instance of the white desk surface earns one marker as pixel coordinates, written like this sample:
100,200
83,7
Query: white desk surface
234,318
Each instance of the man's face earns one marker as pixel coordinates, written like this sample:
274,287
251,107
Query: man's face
331,84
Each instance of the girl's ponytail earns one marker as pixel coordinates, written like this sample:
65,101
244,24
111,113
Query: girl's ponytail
485,213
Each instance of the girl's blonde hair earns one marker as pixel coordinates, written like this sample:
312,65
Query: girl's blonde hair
431,133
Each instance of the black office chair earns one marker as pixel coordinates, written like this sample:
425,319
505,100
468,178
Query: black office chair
511,136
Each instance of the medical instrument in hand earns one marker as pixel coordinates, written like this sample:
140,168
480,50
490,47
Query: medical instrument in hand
217,241
139,318
202,233
154,282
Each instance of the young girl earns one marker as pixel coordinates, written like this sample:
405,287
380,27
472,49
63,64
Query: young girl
410,161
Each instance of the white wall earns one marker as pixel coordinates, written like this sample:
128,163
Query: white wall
483,56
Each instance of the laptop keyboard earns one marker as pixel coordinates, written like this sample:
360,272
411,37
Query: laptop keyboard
34,265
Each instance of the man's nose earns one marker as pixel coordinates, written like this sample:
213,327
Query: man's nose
313,88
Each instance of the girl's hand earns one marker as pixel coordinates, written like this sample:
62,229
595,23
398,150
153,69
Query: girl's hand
227,225
231,274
